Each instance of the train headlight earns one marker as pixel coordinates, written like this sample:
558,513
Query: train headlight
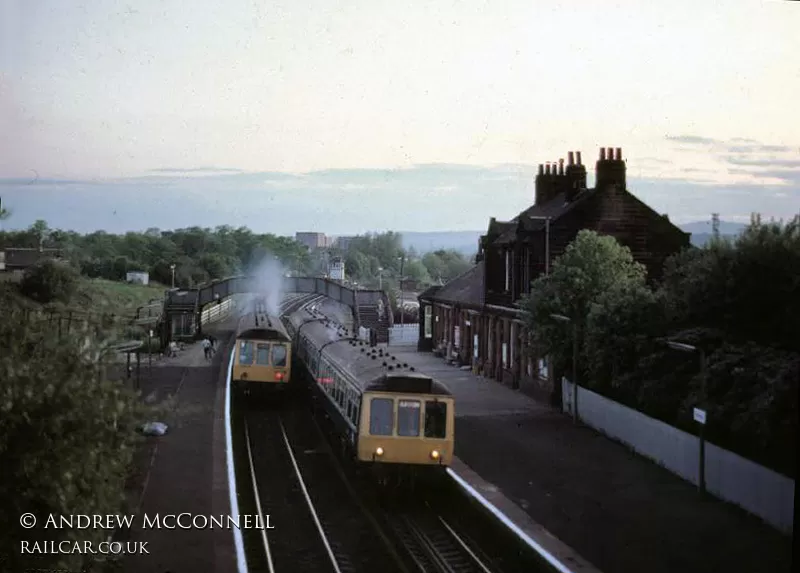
279,376
435,455
379,451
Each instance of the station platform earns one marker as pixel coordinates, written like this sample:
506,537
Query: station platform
185,470
602,503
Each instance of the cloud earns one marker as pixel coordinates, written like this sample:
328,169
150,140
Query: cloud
753,161
692,139
34,180
195,170
769,162
758,148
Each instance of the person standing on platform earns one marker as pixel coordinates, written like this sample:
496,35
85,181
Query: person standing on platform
207,348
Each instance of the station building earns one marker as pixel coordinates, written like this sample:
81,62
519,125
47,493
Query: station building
476,317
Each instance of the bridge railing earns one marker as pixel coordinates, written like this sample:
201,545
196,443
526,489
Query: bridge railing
219,311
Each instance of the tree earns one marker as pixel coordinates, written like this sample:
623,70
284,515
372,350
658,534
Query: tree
49,280
622,326
66,436
746,287
445,264
590,266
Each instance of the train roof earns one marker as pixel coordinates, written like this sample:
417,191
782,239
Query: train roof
263,334
369,367
407,383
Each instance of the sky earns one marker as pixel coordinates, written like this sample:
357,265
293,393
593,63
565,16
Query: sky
374,115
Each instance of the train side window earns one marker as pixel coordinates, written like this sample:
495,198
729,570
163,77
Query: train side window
408,418
245,352
262,354
381,419
435,419
278,355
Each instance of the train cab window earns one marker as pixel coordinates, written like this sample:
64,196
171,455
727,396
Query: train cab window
381,418
262,354
435,419
245,352
408,418
278,355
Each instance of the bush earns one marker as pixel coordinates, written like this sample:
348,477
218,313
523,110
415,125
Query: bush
66,437
50,281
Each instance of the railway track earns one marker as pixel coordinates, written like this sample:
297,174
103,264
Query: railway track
317,528
297,541
434,545
327,519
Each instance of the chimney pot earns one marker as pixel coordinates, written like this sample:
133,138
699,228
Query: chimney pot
547,168
619,154
602,154
541,169
578,157
571,158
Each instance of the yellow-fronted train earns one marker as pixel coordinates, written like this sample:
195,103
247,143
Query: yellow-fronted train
390,419
262,362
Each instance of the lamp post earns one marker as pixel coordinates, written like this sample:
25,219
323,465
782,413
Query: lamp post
546,241
566,319
172,268
699,415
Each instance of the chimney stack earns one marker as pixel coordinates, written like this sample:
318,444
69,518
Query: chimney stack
610,169
575,177
571,158
541,169
561,166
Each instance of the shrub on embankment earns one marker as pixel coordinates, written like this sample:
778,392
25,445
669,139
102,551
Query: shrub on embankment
67,436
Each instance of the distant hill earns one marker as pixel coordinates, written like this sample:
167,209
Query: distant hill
725,227
701,230
466,242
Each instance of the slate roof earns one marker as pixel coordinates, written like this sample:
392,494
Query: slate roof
557,207
465,289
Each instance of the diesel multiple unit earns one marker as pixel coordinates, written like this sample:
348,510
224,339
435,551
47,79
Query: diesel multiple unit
387,413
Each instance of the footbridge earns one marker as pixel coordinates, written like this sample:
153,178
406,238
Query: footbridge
184,308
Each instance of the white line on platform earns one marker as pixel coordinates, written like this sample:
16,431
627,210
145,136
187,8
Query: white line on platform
237,534
546,555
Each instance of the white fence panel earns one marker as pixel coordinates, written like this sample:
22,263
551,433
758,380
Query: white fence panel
404,334
729,476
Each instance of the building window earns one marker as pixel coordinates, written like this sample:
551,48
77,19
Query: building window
428,325
543,371
513,336
508,270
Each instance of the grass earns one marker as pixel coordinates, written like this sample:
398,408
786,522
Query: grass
93,297
111,297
